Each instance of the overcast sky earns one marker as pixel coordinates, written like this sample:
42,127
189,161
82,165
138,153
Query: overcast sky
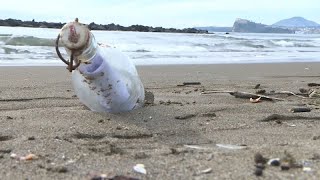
166,13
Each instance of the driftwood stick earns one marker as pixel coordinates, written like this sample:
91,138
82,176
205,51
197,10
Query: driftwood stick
214,92
244,95
313,84
291,93
275,117
300,109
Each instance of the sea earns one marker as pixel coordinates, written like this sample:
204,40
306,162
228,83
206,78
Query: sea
21,46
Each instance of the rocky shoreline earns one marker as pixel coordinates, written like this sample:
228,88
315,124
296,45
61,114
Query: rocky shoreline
93,26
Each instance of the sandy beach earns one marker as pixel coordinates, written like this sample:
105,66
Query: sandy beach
183,135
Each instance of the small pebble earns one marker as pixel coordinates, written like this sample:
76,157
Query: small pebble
206,171
210,114
13,155
187,116
100,177
315,157
261,91
59,169
29,157
31,138
306,169
210,157
140,168
315,137
278,121
257,86
140,155
260,166
274,162
285,166
303,90
9,117
258,172
101,121
259,159
123,178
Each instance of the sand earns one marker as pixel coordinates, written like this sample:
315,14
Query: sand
39,114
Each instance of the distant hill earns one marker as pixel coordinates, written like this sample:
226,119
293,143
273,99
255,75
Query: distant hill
296,22
215,29
246,26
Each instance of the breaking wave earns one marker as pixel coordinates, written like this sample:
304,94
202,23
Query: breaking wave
288,43
26,41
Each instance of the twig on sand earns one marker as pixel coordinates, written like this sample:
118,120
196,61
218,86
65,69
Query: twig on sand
189,83
275,117
291,93
300,109
187,116
313,84
244,95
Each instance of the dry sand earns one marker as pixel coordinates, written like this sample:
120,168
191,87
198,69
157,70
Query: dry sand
39,114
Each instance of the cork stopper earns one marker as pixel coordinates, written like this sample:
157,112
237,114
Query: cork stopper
74,35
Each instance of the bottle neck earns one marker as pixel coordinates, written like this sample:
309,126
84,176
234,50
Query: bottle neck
89,51
85,54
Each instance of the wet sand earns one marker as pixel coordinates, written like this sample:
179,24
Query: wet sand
39,114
